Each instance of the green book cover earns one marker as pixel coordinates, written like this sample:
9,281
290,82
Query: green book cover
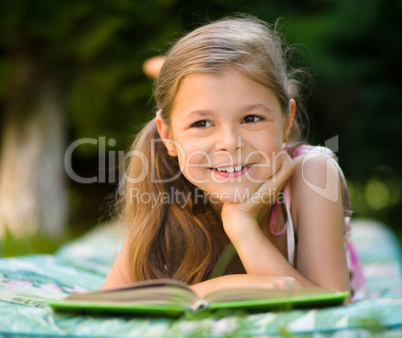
172,298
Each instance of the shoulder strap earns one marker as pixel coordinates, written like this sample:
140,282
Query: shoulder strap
290,234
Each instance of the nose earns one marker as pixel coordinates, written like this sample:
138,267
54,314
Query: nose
228,139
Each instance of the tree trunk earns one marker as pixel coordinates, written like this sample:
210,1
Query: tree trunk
32,182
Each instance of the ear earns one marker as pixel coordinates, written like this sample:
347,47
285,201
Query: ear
289,119
165,135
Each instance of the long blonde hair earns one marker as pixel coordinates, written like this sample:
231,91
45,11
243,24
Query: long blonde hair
183,241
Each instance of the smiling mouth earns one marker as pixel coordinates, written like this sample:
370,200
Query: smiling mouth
231,169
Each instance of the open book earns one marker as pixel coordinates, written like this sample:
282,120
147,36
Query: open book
173,298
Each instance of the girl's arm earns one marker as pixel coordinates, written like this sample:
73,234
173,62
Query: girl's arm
241,280
119,276
119,273
321,255
321,258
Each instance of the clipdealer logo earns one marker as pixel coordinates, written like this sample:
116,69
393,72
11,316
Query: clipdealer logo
111,165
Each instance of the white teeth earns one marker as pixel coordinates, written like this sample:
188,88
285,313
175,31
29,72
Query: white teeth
221,169
230,169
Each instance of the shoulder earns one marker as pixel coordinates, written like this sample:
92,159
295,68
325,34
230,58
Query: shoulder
315,182
316,168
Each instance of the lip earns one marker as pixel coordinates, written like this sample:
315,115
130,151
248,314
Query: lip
226,174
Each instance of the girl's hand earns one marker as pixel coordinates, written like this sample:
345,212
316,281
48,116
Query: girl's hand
245,280
239,213
152,66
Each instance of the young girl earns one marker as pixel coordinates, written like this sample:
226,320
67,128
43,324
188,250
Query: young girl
219,191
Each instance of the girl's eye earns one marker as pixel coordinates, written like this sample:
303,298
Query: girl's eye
251,119
201,124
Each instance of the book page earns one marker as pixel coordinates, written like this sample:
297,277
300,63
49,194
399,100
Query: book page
242,294
161,292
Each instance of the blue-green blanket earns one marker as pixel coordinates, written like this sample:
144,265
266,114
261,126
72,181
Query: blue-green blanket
27,282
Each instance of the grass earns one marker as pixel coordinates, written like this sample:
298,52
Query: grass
39,243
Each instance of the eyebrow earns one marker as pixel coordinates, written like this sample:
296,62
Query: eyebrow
256,106
242,110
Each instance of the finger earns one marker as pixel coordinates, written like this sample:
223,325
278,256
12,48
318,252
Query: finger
292,283
277,181
287,283
285,170
152,66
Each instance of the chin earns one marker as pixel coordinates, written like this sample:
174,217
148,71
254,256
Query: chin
231,195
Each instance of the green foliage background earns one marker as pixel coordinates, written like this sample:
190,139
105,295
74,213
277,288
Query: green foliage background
95,50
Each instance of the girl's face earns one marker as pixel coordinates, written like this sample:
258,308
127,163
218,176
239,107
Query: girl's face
227,132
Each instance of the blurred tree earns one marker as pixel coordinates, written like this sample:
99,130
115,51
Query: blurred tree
85,60
33,136
31,165
354,53
56,58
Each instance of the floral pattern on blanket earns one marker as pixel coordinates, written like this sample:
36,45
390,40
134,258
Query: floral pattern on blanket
22,280
24,292
26,283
